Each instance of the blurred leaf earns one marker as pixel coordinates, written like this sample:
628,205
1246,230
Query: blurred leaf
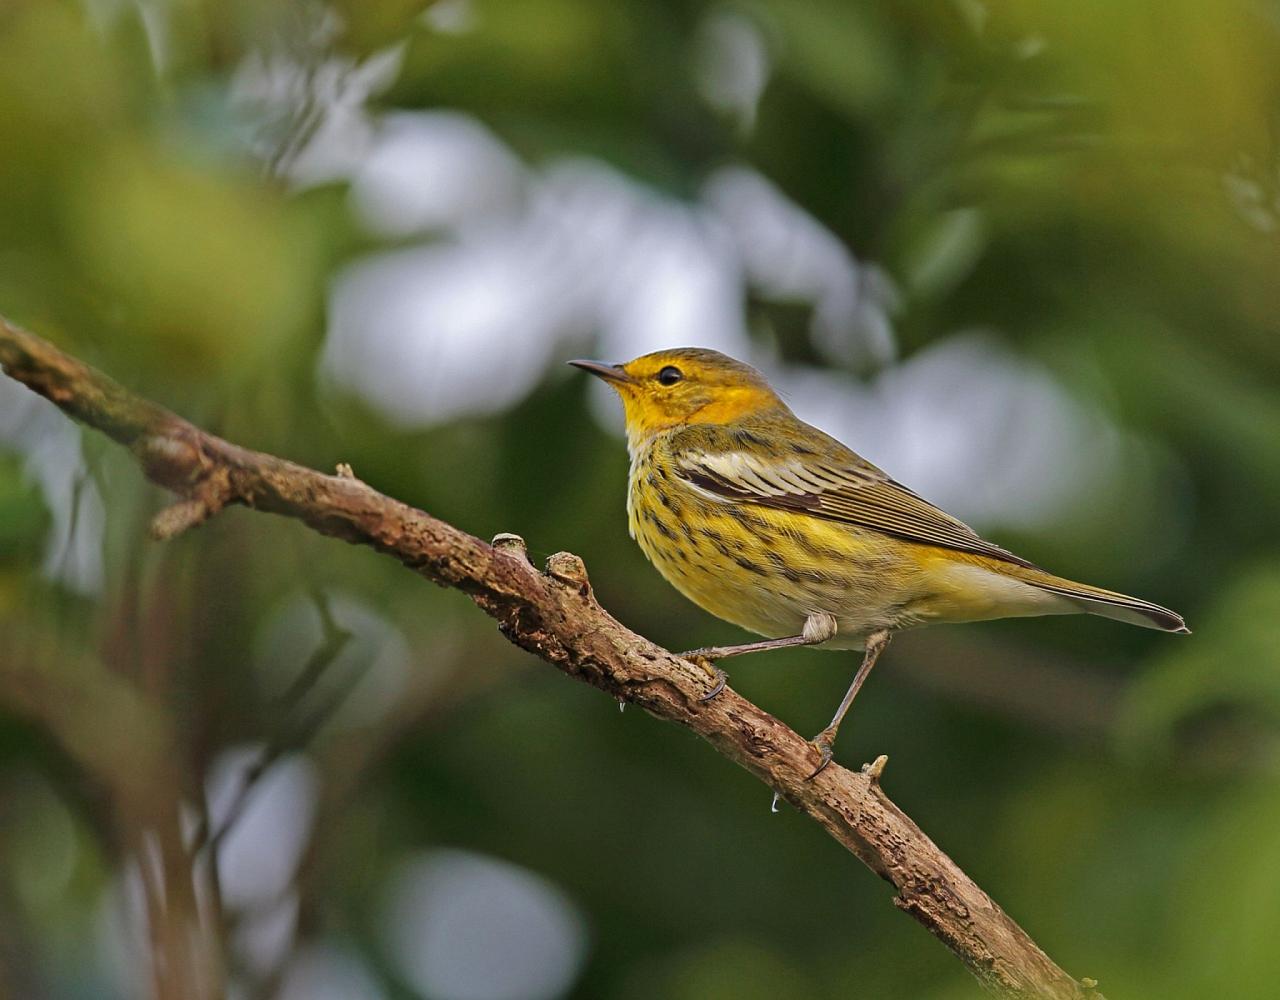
370,26
945,252
729,970
211,272
842,52
24,519
1232,661
1227,914
56,80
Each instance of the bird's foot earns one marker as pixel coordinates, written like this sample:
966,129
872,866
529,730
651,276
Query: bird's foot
824,743
718,676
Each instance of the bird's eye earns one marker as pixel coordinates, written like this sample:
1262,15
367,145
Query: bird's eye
670,375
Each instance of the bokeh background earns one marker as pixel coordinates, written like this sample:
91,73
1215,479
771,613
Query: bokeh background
1021,254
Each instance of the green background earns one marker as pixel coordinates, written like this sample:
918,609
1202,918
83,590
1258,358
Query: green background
1056,231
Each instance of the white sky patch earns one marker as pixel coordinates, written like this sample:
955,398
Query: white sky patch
451,17
462,926
329,972
788,256
431,334
264,936
433,170
51,446
121,945
680,286
258,858
526,262
731,64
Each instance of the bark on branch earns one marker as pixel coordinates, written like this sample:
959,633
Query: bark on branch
554,614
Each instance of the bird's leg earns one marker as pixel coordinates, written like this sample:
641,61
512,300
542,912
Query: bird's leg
825,740
817,628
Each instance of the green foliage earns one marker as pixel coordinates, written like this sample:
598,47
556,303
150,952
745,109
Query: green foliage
23,518
1093,184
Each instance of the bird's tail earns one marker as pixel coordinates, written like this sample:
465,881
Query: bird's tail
1107,603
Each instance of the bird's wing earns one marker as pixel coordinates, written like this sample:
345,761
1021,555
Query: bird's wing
818,476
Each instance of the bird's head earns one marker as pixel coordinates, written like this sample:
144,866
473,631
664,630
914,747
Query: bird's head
687,385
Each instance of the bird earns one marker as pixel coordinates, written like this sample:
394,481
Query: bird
775,526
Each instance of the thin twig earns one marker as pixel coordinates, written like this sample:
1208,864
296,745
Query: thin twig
291,734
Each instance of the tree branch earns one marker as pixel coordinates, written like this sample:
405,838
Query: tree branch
554,614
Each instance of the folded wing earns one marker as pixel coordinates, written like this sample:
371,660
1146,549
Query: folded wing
822,479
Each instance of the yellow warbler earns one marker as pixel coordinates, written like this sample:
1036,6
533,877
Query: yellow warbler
775,526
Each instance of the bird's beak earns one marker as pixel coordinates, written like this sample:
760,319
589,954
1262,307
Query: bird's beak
610,373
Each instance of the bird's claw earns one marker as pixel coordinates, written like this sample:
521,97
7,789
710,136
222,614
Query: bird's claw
824,744
721,679
718,675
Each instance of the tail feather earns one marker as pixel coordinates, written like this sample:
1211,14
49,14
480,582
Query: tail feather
1109,604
